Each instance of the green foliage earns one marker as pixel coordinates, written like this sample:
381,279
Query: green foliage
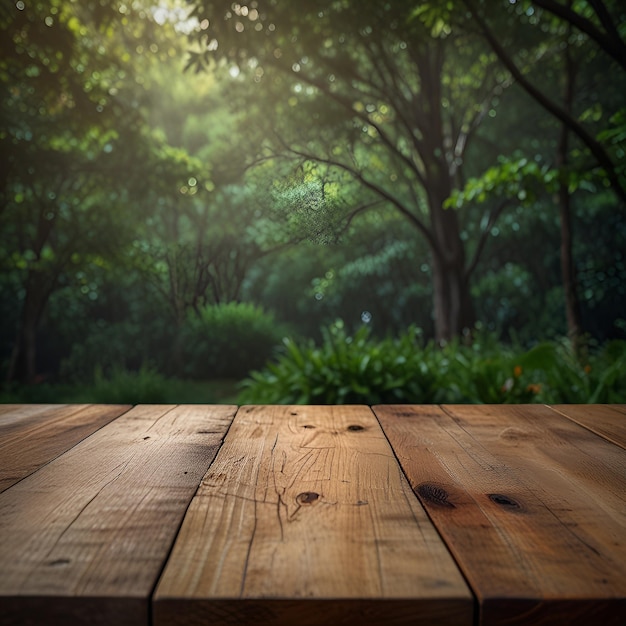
518,179
338,84
360,369
80,165
347,369
135,195
228,340
595,377
124,346
121,386
504,296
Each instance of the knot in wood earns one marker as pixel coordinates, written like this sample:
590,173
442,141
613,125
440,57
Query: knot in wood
434,495
355,427
307,497
498,498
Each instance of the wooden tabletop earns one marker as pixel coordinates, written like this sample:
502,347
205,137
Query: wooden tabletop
396,514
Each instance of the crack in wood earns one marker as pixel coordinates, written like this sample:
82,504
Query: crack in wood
85,505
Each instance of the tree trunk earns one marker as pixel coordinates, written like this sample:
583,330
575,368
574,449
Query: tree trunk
452,302
568,271
23,364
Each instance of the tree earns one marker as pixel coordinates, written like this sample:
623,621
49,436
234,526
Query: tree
583,33
609,41
374,91
75,151
604,30
568,271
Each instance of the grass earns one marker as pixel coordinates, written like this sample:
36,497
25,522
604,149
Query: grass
143,387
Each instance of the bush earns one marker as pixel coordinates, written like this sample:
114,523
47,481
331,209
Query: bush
123,346
229,340
595,376
347,369
363,370
123,387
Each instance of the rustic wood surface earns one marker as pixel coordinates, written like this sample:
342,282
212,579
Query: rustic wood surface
608,421
33,435
306,518
531,504
85,538
111,515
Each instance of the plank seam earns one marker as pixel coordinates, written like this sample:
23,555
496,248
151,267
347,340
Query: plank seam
475,601
166,559
573,420
130,407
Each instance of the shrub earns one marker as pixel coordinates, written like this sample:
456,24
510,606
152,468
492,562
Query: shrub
486,371
117,347
598,376
361,369
145,386
347,369
229,340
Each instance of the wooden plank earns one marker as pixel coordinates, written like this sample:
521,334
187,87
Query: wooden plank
32,435
21,410
11,413
605,420
532,506
85,537
306,518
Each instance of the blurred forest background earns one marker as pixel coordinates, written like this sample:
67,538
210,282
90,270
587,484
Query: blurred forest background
332,201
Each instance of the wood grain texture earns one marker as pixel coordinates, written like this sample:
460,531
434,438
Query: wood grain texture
608,421
32,435
85,538
306,518
532,505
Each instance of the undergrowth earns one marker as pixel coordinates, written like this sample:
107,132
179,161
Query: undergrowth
406,369
361,369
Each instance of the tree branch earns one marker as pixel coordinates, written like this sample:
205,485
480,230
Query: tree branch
379,191
610,41
347,104
594,146
493,217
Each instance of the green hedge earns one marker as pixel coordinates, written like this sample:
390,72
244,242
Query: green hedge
228,341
